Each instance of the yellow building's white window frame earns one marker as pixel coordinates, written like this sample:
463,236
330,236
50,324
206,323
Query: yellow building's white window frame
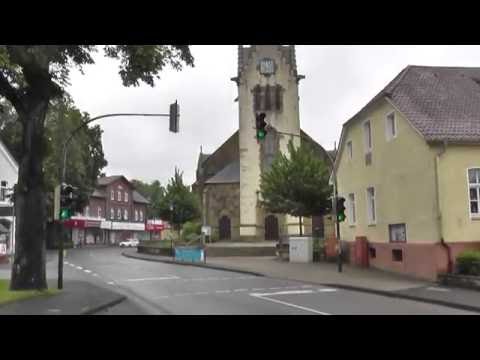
350,149
475,186
371,212
368,142
352,211
391,132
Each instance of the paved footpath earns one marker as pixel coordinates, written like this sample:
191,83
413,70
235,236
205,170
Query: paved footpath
352,278
80,295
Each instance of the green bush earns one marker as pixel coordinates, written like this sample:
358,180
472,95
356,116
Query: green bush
191,228
468,263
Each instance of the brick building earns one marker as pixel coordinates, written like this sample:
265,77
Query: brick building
115,212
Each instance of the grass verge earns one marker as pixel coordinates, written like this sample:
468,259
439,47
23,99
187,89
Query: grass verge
7,296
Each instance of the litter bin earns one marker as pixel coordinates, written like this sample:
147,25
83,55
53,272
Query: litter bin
301,249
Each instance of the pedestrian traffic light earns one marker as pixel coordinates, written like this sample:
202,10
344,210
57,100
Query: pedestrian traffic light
174,117
341,209
261,126
67,197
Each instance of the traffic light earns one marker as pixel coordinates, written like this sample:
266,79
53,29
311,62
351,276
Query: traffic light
174,117
341,209
66,201
261,126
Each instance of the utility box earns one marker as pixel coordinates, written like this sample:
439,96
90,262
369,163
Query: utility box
301,249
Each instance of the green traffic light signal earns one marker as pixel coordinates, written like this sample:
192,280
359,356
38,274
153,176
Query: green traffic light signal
341,217
64,214
261,134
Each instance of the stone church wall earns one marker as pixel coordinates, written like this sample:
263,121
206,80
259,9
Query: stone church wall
223,200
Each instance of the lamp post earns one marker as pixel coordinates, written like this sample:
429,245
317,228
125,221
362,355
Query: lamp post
172,207
174,118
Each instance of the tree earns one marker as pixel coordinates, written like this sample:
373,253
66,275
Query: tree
180,204
86,158
154,192
30,77
297,184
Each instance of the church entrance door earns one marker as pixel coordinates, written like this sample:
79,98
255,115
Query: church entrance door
224,227
271,228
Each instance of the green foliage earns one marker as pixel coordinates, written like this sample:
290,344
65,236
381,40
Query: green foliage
297,184
153,191
468,263
192,230
85,159
179,204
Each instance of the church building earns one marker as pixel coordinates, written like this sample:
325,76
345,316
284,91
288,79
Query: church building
228,180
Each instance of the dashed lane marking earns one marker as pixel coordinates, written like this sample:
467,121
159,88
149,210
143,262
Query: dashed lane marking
258,289
291,292
79,268
111,283
223,291
240,290
154,279
87,271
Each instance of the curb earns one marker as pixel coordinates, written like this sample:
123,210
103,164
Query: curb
202,265
397,295
96,309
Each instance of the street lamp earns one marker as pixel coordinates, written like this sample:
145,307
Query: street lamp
172,207
174,116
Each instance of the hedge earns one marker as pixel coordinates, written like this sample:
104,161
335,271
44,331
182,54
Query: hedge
468,263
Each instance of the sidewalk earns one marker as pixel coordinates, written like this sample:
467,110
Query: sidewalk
76,298
352,278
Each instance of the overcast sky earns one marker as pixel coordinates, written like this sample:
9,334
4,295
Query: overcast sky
340,80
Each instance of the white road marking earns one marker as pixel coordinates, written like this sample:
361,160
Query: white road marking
66,262
292,292
111,283
79,268
275,288
163,297
54,310
327,290
437,289
154,278
95,274
240,290
292,287
182,294
201,293
223,291
258,289
87,271
289,304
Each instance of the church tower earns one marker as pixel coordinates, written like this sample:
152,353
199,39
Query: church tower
267,83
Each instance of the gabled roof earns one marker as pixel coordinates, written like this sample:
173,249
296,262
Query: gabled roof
138,198
441,103
8,156
230,174
104,181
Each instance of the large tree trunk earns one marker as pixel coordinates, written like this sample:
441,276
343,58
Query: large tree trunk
28,270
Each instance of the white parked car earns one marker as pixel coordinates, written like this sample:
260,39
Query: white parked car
129,243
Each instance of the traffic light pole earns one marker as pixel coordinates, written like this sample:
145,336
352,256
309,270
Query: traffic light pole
64,168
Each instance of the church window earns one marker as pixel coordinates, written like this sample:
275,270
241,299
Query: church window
267,98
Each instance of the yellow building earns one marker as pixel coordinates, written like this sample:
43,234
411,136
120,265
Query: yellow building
409,167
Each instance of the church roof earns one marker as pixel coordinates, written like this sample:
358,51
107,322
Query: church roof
230,174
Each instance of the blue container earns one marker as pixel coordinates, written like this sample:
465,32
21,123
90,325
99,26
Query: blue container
189,254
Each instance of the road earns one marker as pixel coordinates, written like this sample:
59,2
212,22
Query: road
161,289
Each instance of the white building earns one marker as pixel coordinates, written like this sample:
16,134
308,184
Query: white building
8,178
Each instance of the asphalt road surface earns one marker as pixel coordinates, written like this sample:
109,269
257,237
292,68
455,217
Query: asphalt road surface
158,288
